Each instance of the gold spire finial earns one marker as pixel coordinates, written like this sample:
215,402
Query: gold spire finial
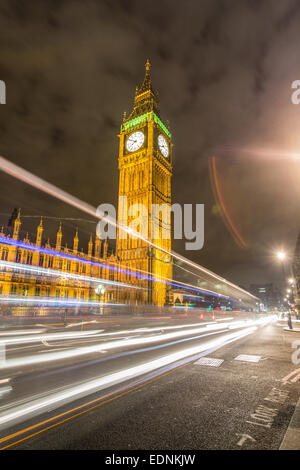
145,100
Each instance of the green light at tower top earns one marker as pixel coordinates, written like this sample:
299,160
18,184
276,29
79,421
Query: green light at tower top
138,121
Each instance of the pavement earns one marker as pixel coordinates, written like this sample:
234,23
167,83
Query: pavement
291,439
292,329
244,395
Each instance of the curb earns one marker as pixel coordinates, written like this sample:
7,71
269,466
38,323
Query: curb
293,330
291,440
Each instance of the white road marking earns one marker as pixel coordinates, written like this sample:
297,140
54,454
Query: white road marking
277,396
244,438
295,379
287,379
263,416
209,361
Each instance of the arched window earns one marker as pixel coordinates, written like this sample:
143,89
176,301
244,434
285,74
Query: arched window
19,255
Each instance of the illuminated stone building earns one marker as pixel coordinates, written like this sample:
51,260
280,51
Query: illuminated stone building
145,170
64,272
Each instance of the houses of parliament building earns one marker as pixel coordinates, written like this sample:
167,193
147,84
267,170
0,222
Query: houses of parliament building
33,268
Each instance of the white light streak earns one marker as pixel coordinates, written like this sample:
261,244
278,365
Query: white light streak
50,337
53,400
55,301
61,274
115,344
29,178
5,390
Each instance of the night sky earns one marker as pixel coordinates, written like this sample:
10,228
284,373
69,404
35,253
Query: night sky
223,71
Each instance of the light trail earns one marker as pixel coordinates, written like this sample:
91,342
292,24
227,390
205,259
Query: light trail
98,348
156,328
71,325
21,332
219,200
62,274
53,400
90,333
269,153
42,185
55,302
5,390
50,337
27,246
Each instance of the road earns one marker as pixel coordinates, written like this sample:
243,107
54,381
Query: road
133,382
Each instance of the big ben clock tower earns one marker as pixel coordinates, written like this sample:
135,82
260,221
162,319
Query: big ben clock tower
145,170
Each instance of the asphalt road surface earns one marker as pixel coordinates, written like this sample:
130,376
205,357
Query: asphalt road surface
135,382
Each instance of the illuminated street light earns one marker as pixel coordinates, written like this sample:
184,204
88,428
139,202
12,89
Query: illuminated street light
288,290
281,255
291,281
100,290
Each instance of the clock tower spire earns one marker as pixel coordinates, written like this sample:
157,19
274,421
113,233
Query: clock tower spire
146,99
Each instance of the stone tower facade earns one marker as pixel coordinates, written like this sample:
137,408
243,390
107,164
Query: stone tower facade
145,170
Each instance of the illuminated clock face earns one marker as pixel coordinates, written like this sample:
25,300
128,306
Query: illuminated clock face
163,146
135,141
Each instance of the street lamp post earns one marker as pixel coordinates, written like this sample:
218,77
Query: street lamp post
281,256
100,291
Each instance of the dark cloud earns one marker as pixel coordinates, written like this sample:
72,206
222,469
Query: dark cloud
223,70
